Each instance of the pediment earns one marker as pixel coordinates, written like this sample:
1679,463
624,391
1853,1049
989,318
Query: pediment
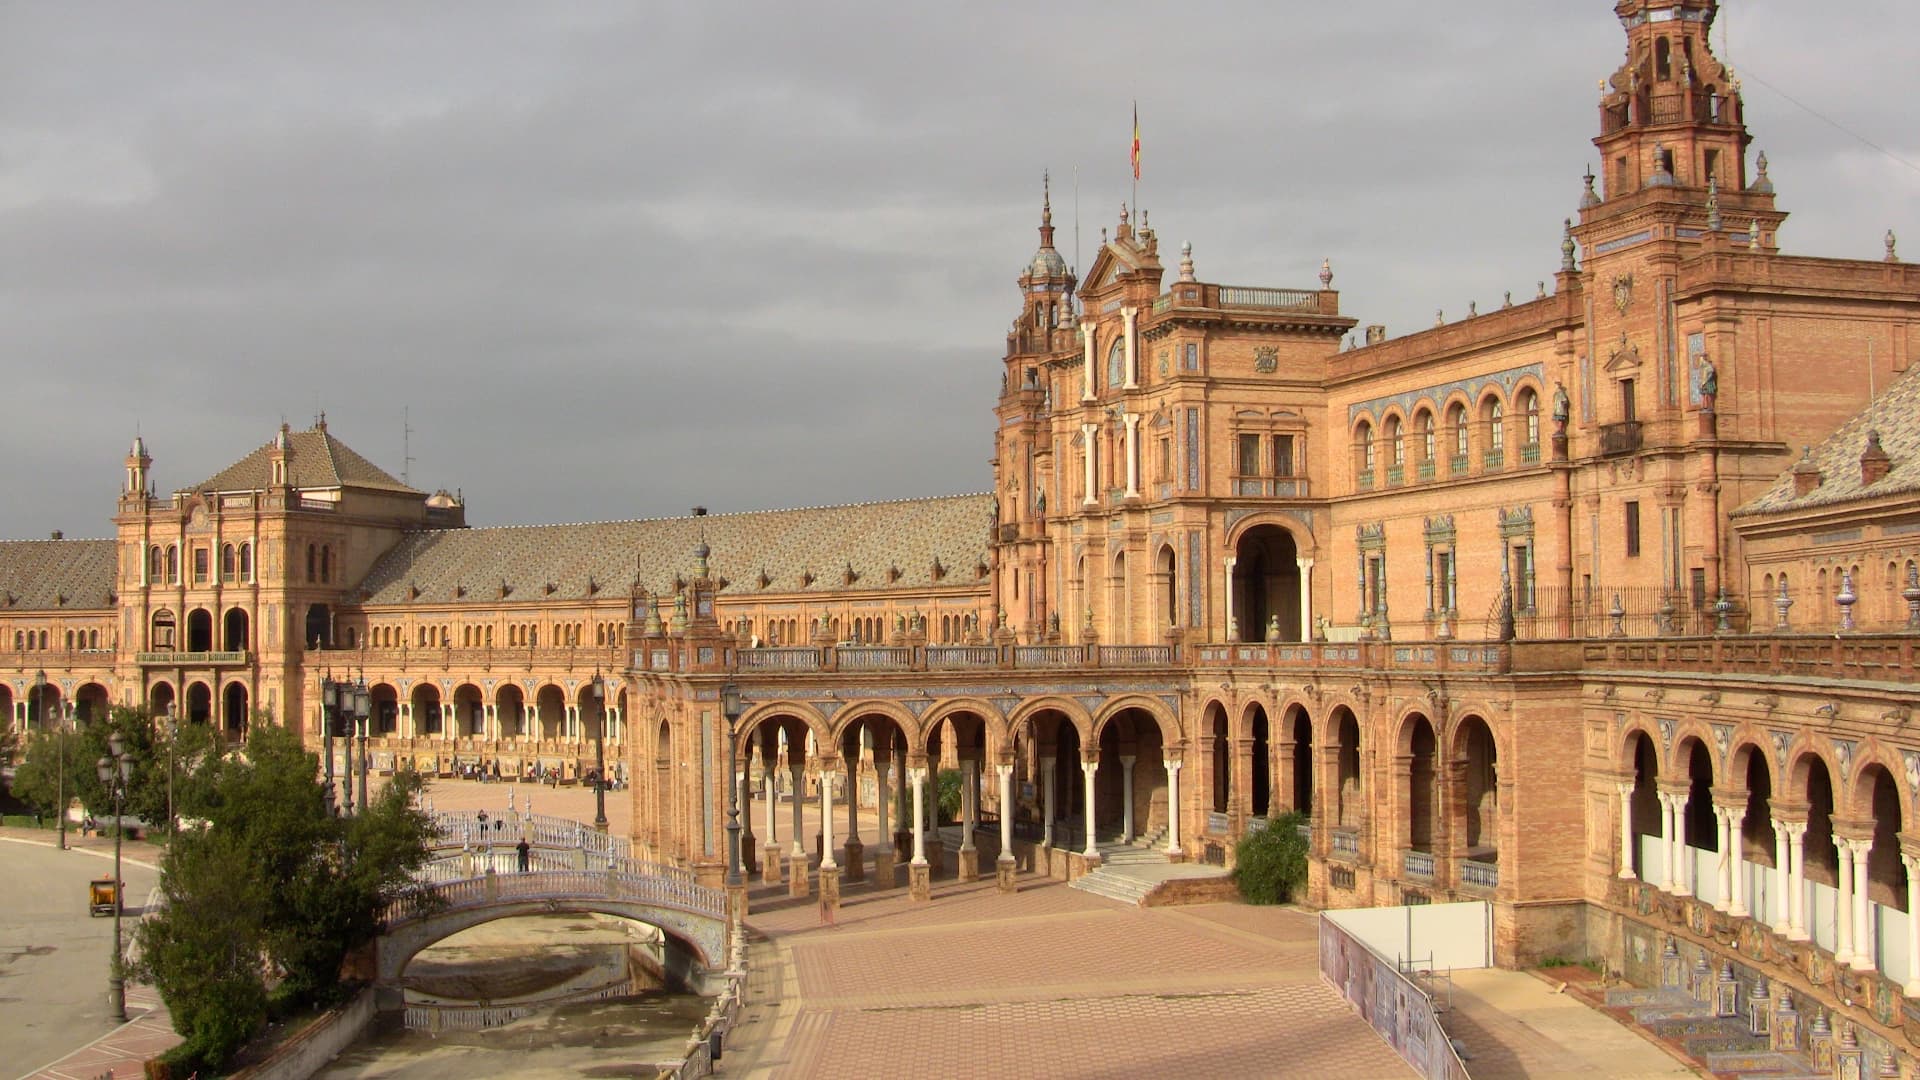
1625,358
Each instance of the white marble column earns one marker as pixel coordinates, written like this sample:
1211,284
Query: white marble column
491,717
1306,598
1626,828
1126,798
1046,802
1863,935
799,774
1843,907
880,806
1132,421
1089,436
1669,860
1737,898
1227,563
1782,919
827,861
853,798
1087,768
1006,810
969,802
1797,881
917,779
449,722
1131,315
1724,864
1086,361
1173,806
1912,989
769,780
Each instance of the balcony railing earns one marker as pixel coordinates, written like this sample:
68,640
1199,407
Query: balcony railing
1457,465
1530,454
1396,475
874,658
1418,864
799,658
1621,438
203,658
1346,842
1271,487
949,657
1494,459
1479,875
1424,471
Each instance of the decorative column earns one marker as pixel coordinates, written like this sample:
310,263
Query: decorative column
967,860
797,884
1863,936
1735,877
490,720
1131,316
1003,867
827,861
883,854
770,779
1048,809
1912,863
1723,839
919,877
856,852
1126,798
1306,598
1843,908
1228,564
1668,862
1087,768
1089,434
1625,787
1782,917
1173,807
1797,881
1086,362
1132,421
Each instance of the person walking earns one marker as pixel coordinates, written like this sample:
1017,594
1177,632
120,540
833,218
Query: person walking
526,857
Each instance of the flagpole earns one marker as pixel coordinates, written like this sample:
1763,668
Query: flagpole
1136,160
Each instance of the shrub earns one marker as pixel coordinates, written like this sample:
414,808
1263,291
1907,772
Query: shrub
947,796
1270,865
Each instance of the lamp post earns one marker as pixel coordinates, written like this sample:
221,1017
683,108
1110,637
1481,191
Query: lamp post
730,708
173,734
598,691
329,714
115,773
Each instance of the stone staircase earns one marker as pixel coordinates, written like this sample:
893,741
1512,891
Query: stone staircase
1723,1044
1119,875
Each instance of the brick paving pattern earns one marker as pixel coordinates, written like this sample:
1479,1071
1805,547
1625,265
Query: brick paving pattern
1050,982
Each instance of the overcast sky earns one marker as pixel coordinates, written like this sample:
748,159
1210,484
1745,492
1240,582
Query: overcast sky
616,260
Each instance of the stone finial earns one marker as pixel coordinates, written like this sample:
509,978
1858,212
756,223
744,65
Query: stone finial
1326,271
1123,213
1473,308
1753,235
1186,261
1893,255
1568,264
1506,301
1846,598
1713,204
1806,475
1439,317
1589,198
1273,630
1762,183
1874,462
1540,290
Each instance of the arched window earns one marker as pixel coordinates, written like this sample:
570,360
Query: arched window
157,565
246,562
1424,425
313,562
163,627
1663,60
1496,426
227,562
1457,420
1396,450
1117,365
173,564
326,564
1530,411
1364,438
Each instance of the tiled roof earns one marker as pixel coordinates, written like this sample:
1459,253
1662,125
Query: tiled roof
873,538
1895,414
35,574
317,460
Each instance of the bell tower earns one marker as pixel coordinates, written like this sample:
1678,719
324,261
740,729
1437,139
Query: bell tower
1673,137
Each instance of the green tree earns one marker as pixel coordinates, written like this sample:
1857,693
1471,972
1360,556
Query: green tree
308,887
946,789
37,781
1270,866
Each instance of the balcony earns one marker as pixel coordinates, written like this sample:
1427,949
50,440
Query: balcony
1494,459
1396,475
1364,481
1418,864
1457,465
1271,487
191,659
1530,454
1346,842
1424,471
1479,875
1621,438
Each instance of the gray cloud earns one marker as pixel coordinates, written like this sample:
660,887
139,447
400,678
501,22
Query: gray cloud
614,260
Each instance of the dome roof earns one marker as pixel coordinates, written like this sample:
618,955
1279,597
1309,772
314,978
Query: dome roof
1047,263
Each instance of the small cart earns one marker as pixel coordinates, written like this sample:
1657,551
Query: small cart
103,896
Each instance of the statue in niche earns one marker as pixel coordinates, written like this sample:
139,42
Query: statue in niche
1562,408
1709,384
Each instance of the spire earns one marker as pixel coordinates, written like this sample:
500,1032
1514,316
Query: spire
1713,204
1046,210
1589,198
1186,260
1568,264
1762,184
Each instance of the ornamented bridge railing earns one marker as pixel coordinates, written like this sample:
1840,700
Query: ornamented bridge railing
630,881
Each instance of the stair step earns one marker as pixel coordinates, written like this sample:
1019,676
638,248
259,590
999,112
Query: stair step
1635,996
1765,1062
1113,886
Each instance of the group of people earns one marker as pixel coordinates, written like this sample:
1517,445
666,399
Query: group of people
534,772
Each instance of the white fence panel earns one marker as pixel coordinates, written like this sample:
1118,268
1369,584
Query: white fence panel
1452,935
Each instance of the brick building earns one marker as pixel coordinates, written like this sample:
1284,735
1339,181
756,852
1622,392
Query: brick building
1561,605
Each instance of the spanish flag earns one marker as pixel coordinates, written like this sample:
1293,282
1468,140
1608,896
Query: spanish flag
1136,140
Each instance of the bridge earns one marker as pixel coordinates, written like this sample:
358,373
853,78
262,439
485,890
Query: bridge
479,885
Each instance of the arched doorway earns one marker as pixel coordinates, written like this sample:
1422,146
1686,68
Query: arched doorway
1130,782
1260,780
1886,884
1702,831
199,630
199,703
469,711
1757,838
550,711
1220,758
1296,760
510,710
385,702
236,639
425,703
1352,807
1647,817
1421,788
1478,758
90,703
233,710
319,628
1266,584
160,699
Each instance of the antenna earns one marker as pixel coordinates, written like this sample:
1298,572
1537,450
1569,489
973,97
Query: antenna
406,446
1076,219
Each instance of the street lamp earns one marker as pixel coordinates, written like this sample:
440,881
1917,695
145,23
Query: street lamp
597,689
115,773
362,714
173,735
730,708
329,719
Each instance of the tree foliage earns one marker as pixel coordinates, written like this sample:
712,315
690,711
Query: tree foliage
195,749
1270,866
946,792
307,889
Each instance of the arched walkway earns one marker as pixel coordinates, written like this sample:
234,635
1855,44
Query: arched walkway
1266,593
199,703
233,710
